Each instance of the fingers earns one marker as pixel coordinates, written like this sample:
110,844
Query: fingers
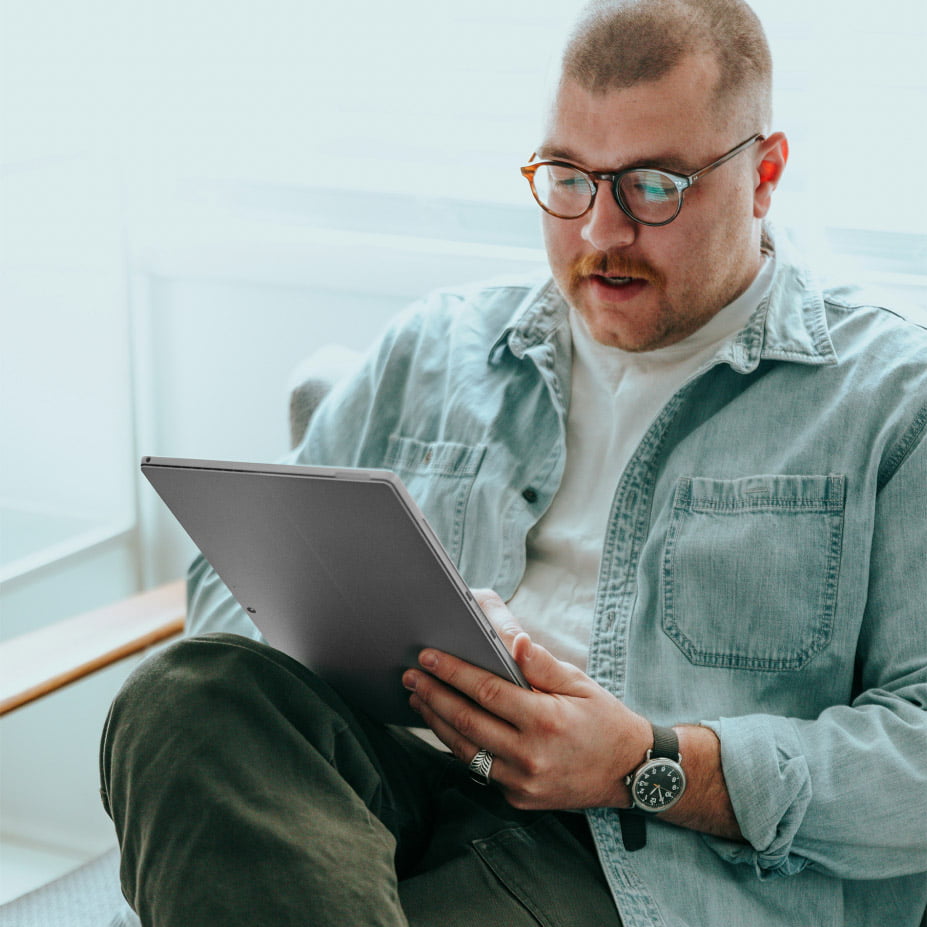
495,694
498,613
463,747
498,696
544,671
549,674
458,723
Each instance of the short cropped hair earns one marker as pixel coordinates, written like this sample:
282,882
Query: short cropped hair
620,43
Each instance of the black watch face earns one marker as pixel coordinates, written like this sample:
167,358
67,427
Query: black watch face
658,785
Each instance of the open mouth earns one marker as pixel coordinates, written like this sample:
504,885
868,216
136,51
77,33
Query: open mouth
616,281
614,287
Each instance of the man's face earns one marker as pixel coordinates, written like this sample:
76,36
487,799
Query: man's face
680,274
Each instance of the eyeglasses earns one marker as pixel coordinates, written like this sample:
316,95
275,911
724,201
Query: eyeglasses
645,194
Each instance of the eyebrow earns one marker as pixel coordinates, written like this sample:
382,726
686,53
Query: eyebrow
667,162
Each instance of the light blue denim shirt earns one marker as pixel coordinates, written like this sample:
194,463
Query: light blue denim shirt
764,572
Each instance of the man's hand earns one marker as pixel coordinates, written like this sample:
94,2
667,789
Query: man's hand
566,744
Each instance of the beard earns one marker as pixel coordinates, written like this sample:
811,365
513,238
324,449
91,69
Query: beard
672,301
650,334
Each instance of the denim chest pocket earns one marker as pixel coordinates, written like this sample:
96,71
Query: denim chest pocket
750,569
440,476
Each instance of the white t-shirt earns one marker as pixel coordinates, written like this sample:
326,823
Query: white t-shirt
615,397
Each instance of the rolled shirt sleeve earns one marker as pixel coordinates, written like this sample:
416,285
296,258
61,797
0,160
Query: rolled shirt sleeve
846,793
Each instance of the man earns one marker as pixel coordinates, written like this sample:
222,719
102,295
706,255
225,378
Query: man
691,476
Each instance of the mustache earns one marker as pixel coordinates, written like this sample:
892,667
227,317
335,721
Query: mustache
614,265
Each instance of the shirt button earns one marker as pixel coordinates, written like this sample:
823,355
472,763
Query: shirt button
530,495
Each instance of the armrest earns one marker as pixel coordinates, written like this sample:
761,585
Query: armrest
39,662
311,381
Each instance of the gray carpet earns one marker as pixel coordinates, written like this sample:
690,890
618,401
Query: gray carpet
87,897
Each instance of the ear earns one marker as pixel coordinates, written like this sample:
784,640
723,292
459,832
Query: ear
773,155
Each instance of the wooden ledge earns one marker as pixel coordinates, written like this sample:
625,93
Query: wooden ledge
42,661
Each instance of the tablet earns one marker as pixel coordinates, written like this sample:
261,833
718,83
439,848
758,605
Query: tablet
337,568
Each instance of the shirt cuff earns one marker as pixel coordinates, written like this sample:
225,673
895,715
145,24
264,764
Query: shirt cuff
769,783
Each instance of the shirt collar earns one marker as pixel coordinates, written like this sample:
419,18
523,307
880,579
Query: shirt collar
790,322
538,316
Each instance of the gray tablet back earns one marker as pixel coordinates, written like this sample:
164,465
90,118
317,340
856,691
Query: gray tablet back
336,567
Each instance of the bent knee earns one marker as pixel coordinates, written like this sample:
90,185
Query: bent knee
215,685
195,676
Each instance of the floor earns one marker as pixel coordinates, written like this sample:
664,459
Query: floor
25,866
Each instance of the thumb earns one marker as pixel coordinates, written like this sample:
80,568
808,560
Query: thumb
543,670
492,606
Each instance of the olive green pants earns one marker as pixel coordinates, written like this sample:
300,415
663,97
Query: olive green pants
245,792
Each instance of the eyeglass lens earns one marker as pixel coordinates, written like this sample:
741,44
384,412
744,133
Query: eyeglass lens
649,195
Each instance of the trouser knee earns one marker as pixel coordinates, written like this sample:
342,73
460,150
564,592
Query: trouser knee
225,702
224,763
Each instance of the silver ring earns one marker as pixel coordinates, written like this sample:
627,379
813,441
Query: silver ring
480,767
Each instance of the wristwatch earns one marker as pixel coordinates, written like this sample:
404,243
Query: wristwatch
659,782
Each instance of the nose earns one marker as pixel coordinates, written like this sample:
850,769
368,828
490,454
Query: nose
606,226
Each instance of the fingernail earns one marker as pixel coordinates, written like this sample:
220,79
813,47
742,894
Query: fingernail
429,659
410,681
